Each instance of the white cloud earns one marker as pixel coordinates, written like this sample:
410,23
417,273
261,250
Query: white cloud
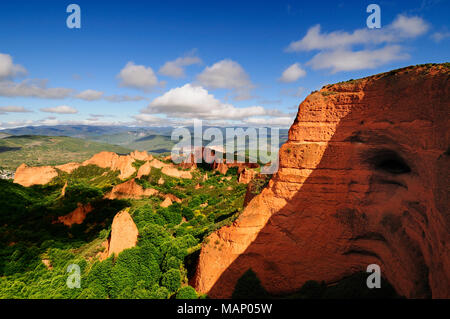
347,60
401,28
227,74
62,109
439,36
123,98
175,68
32,88
151,119
13,109
8,69
137,76
408,27
275,121
336,48
292,73
191,101
90,95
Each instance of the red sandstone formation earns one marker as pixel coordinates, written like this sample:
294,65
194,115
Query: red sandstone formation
77,216
28,176
222,167
69,167
363,179
63,191
173,198
130,189
175,172
114,162
158,164
166,202
124,235
141,156
47,263
246,176
189,162
144,170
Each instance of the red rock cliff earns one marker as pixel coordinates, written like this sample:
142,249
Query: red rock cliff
363,179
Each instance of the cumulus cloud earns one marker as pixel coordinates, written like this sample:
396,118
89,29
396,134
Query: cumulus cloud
401,28
137,76
175,68
13,109
336,48
441,35
347,60
227,74
90,95
292,73
62,109
191,101
32,88
275,121
8,69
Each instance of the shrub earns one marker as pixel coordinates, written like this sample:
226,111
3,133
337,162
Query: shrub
187,213
171,262
160,293
186,293
171,280
134,265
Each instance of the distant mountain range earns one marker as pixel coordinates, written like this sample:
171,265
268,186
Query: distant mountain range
155,140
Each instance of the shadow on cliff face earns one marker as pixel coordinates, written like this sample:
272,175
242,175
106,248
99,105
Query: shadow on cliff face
377,195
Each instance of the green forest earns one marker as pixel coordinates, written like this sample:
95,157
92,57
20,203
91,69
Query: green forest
35,251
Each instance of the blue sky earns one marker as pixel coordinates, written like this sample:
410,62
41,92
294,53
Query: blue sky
167,62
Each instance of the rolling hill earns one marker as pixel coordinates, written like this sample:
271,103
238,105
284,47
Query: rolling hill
36,150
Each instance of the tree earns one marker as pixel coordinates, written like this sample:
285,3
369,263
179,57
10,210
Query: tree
187,292
171,280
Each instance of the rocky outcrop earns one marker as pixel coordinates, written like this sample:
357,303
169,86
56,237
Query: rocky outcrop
144,170
68,168
28,176
158,164
130,189
246,176
77,216
223,166
47,263
111,160
141,156
173,198
175,172
124,235
363,179
63,190
166,202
